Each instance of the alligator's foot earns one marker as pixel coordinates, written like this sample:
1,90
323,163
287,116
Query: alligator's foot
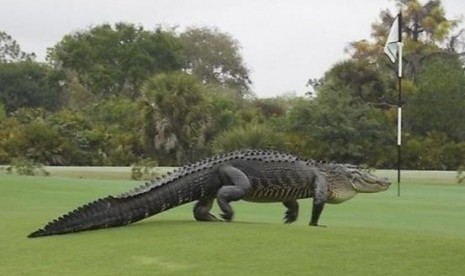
227,217
290,217
202,210
317,225
292,211
207,217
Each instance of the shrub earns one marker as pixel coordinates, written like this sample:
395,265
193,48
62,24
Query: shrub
461,175
249,136
24,166
144,170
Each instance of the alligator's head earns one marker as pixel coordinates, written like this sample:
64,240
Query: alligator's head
345,181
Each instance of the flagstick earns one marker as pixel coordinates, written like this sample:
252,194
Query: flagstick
393,49
399,123
399,104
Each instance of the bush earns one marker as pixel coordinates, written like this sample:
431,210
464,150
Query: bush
24,166
249,136
433,152
144,170
461,175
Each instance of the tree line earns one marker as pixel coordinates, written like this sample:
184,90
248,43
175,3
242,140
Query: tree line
122,95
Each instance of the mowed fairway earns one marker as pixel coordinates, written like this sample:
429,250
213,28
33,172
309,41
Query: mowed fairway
420,233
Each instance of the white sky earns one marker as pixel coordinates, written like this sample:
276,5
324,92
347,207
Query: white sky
284,42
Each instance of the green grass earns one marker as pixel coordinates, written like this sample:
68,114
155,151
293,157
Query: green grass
420,233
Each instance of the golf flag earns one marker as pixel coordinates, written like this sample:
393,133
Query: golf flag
392,48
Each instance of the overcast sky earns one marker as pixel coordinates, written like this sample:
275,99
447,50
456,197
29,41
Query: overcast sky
284,42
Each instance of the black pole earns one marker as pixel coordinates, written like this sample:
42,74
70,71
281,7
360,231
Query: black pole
399,104
399,145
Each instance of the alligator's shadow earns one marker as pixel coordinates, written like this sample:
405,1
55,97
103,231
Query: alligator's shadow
177,223
164,225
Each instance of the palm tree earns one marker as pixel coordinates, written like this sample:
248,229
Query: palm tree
181,109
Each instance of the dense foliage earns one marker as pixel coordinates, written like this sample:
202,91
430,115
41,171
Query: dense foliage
122,95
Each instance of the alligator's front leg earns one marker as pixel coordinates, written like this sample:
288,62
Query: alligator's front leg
320,195
235,185
316,212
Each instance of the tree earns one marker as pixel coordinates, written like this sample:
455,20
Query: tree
272,107
249,136
432,80
27,134
23,82
457,44
214,57
29,84
10,51
2,112
116,123
348,120
362,80
438,103
225,106
421,25
182,115
426,22
426,30
116,60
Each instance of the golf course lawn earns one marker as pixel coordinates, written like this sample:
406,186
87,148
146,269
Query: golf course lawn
422,232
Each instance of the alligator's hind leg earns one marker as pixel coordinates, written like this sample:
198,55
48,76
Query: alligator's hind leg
292,211
202,210
235,185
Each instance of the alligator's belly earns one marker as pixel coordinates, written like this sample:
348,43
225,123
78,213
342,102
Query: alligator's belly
278,195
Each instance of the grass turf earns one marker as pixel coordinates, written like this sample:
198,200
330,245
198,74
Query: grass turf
420,233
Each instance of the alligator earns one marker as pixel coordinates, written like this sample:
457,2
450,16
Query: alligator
251,175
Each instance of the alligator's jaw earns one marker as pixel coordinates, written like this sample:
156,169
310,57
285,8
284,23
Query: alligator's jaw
364,182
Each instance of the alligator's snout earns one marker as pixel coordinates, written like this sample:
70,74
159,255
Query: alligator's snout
385,182
365,182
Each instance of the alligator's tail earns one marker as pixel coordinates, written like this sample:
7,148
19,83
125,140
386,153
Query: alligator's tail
125,209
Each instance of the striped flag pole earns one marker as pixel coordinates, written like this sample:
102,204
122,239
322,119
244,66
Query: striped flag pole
393,49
